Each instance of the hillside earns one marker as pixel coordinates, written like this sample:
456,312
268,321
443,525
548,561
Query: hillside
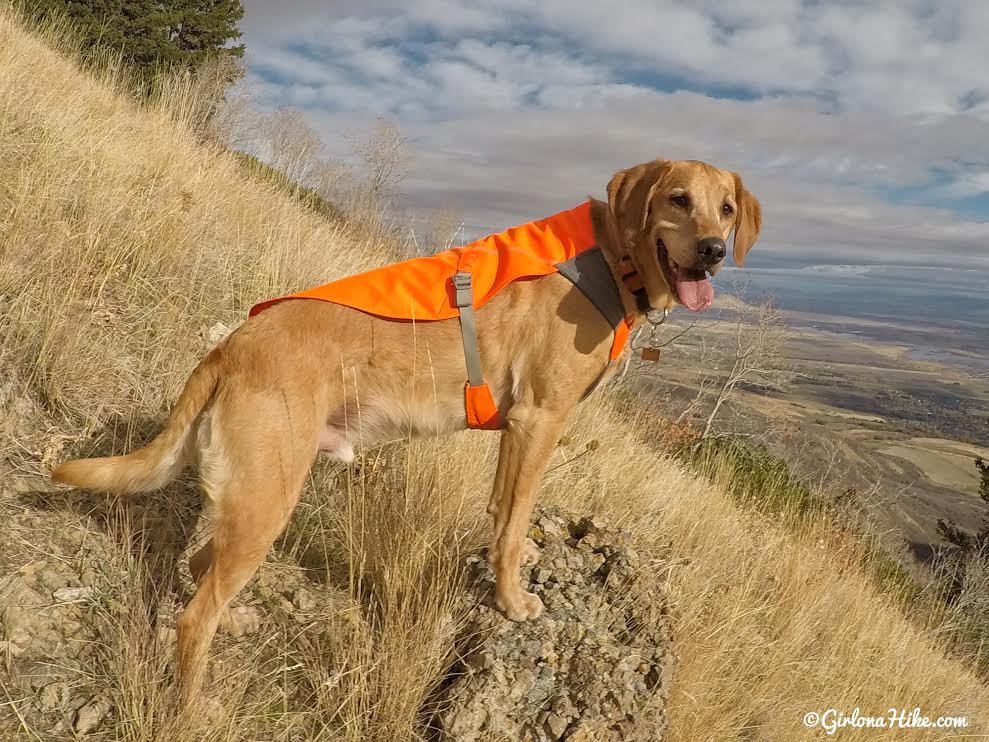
123,243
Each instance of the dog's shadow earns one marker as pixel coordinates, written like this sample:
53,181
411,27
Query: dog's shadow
158,531
152,531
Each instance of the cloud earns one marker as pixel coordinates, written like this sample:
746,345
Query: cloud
849,121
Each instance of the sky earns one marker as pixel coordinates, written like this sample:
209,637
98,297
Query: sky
862,127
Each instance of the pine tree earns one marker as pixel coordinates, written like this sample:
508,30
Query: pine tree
151,34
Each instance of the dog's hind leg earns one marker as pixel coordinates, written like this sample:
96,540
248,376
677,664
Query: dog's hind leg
251,504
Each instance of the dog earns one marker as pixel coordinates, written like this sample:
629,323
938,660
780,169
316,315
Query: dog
304,376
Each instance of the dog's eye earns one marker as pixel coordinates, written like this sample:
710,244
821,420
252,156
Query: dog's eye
680,200
727,209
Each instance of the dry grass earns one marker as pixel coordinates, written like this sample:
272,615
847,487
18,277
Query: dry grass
122,239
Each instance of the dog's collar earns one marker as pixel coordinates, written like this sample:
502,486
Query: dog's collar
633,284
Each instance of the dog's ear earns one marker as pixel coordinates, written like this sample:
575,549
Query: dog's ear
748,221
629,194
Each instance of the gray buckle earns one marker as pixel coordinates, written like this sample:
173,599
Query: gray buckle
465,293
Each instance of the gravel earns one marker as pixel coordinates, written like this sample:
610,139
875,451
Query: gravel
595,666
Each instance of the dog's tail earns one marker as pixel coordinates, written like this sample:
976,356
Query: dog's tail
161,460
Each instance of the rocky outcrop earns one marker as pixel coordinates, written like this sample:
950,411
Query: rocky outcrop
594,666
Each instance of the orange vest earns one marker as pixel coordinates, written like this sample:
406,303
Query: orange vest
422,289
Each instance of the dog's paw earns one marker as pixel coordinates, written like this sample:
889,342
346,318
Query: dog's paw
520,607
530,553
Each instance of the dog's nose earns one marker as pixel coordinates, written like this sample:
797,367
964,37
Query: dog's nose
711,250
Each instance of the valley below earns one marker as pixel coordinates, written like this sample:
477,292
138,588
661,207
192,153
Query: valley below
901,427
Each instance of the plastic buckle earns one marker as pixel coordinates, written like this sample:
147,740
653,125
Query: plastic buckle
465,293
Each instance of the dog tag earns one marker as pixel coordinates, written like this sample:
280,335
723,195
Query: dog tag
650,354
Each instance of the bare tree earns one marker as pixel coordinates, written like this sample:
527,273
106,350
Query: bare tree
332,179
235,122
385,158
756,359
292,146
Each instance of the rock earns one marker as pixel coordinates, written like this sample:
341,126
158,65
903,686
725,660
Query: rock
90,714
303,600
242,620
23,485
53,579
72,594
53,696
31,568
595,666
30,624
555,726
215,333
19,614
542,575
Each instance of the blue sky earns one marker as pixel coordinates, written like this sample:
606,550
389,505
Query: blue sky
862,127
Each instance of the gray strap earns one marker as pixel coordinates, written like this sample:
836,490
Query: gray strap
591,274
468,328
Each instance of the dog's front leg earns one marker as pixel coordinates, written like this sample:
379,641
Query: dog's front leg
527,443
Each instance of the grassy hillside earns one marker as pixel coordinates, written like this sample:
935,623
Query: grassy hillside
122,242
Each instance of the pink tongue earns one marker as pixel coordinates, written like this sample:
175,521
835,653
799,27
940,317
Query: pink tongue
695,290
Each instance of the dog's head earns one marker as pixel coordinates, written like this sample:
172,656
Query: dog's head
673,218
